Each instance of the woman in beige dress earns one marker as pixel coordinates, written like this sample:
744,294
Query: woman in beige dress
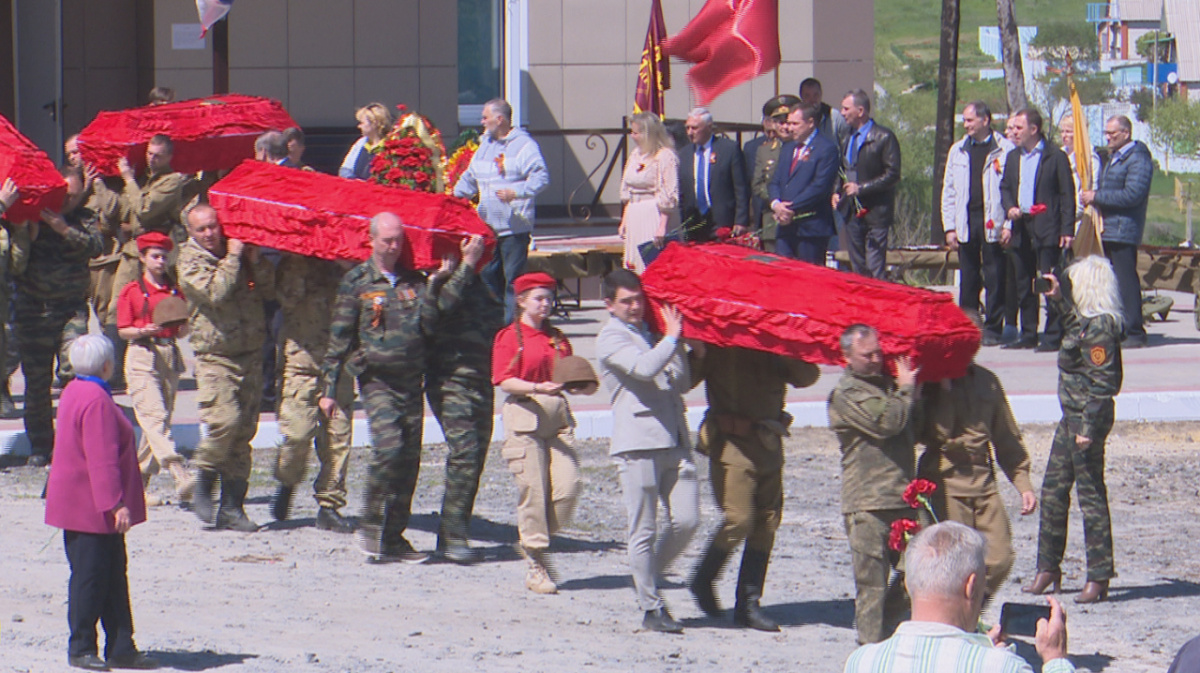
649,188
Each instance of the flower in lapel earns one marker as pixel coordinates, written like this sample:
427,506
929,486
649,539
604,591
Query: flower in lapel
996,166
712,158
500,163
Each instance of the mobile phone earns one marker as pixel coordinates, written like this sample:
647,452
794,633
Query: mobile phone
1041,285
1020,619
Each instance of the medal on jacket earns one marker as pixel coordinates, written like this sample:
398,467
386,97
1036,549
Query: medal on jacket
377,300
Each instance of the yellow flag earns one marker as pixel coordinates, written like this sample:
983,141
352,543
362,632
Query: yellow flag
1087,239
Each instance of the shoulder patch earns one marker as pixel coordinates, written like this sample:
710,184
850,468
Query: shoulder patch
1098,355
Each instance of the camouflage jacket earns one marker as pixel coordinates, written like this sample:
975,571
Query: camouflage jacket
874,420
962,427
153,203
225,299
381,327
461,343
306,288
56,266
1089,368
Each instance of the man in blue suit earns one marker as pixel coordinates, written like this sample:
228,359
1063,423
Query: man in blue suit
802,189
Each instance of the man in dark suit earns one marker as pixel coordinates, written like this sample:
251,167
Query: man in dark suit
801,190
867,196
712,181
1038,195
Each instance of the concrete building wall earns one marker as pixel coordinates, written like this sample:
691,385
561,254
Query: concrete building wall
583,63
324,58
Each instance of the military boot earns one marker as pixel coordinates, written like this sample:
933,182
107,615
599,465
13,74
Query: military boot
281,502
704,579
8,409
753,573
202,497
232,516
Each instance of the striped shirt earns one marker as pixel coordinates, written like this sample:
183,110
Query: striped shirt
932,647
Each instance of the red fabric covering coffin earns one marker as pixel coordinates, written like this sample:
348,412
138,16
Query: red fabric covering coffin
41,185
326,216
210,134
735,296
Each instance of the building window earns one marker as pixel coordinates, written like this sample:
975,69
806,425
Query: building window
480,56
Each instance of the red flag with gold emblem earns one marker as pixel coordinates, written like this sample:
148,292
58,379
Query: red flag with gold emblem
654,72
729,42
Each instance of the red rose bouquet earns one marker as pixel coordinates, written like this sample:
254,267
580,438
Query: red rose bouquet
411,156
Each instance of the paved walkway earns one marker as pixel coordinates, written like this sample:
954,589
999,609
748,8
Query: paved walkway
1162,383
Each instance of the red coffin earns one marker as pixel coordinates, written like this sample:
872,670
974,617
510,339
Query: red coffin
326,216
210,134
735,296
41,185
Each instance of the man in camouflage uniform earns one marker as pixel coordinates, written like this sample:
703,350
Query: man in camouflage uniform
742,435
105,204
873,417
152,203
383,314
305,288
51,304
224,282
12,264
1089,377
968,430
766,158
459,387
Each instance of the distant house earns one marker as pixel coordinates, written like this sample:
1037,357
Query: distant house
1119,25
1181,19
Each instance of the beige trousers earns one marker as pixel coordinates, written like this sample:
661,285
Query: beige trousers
538,438
987,515
152,378
301,422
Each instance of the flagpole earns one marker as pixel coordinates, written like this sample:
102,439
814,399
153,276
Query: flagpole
776,80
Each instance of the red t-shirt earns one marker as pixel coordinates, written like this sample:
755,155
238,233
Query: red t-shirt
132,310
536,361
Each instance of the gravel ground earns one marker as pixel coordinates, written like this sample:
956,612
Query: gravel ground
293,598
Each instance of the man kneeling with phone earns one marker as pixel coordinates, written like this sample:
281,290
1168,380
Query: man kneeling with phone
945,577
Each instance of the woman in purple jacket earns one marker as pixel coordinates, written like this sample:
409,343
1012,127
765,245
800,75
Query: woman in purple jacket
95,495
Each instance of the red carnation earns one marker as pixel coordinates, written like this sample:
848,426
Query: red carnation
916,491
902,531
862,212
723,234
1037,209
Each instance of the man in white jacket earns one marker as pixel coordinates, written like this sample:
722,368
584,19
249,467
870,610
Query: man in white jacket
973,216
650,442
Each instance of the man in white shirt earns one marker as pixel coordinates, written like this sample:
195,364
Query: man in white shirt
945,578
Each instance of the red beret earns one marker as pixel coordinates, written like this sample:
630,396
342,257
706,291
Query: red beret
530,281
154,239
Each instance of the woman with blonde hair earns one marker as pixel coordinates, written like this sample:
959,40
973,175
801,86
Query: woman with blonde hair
649,188
538,426
1089,377
375,122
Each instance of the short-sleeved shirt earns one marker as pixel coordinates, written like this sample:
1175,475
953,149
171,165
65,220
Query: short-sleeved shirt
132,308
532,358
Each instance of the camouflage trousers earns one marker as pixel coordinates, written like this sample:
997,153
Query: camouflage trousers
229,393
395,413
464,404
880,599
301,423
1067,465
46,330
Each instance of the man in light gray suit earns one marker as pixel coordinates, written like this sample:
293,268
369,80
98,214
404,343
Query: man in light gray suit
650,440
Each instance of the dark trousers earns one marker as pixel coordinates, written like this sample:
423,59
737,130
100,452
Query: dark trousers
1030,262
809,249
982,265
868,248
47,330
507,262
1124,262
98,591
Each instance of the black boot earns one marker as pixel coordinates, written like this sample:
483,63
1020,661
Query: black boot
232,516
747,612
704,579
281,503
8,409
202,497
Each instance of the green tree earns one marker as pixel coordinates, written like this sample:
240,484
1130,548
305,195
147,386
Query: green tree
1145,46
1176,126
